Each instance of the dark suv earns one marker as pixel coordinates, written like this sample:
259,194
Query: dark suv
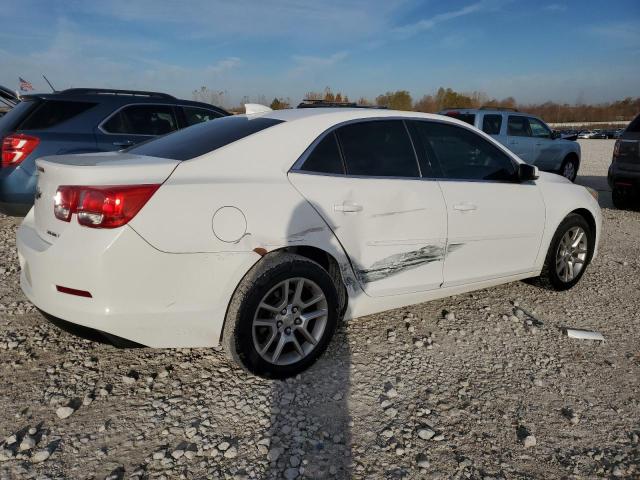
83,120
624,172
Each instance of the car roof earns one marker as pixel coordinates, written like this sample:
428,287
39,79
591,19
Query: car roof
338,115
510,111
119,97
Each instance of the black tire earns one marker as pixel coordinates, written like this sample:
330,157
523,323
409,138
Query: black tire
622,199
549,275
565,162
237,336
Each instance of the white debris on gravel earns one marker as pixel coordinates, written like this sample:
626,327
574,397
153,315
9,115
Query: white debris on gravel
64,412
429,391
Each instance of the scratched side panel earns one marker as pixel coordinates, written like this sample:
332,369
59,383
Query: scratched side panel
396,240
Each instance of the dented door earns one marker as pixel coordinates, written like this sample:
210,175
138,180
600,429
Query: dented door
393,230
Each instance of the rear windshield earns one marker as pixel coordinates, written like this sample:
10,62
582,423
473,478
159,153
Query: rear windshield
50,113
202,138
14,116
469,118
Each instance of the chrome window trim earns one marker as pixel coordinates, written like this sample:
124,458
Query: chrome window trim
296,168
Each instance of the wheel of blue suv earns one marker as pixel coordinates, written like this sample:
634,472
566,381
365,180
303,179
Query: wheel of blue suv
282,316
569,168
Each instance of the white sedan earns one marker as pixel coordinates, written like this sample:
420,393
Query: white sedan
261,231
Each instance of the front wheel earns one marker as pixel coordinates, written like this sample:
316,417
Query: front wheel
569,253
569,168
282,316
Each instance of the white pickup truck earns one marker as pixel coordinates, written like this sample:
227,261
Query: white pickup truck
525,135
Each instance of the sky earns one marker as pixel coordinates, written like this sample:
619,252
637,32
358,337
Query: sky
567,51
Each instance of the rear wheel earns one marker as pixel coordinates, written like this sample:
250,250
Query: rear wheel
282,316
569,168
623,198
570,252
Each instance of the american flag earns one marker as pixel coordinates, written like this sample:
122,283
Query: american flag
24,85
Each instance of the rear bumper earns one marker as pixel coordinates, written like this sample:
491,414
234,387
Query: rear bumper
14,209
619,178
137,292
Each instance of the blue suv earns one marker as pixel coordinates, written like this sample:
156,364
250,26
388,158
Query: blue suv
83,120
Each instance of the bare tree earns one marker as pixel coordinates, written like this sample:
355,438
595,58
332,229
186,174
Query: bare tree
212,97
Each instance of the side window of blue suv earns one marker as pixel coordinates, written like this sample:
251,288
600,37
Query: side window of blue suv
142,120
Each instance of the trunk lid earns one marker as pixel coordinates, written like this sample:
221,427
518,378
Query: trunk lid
100,169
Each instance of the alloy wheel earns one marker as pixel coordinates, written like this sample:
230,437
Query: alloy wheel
290,321
569,171
572,254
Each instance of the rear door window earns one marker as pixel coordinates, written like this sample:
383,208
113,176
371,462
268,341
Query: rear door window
492,123
518,126
203,138
195,115
378,149
325,157
49,113
142,120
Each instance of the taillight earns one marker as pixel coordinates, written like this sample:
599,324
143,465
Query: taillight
616,150
101,207
64,203
16,147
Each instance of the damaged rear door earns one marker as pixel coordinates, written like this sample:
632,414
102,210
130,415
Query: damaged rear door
365,181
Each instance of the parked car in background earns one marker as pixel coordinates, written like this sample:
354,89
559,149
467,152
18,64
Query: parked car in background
615,133
285,221
8,100
525,135
83,120
568,134
593,134
624,172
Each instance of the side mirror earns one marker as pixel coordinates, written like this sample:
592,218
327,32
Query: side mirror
555,134
527,172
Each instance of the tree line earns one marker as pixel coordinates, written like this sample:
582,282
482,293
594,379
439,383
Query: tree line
444,98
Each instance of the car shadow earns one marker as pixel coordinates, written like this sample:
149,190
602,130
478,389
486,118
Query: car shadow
598,183
310,430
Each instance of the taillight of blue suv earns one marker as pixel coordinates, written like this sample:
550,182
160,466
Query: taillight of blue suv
16,148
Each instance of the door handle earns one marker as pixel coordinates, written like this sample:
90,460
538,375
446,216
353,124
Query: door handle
125,143
348,207
465,207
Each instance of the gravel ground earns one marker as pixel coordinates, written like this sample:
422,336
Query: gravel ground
467,387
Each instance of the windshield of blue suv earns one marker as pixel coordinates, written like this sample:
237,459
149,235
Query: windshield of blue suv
203,138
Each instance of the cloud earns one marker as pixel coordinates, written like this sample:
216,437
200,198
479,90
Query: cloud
555,7
307,63
624,34
73,58
330,20
429,23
